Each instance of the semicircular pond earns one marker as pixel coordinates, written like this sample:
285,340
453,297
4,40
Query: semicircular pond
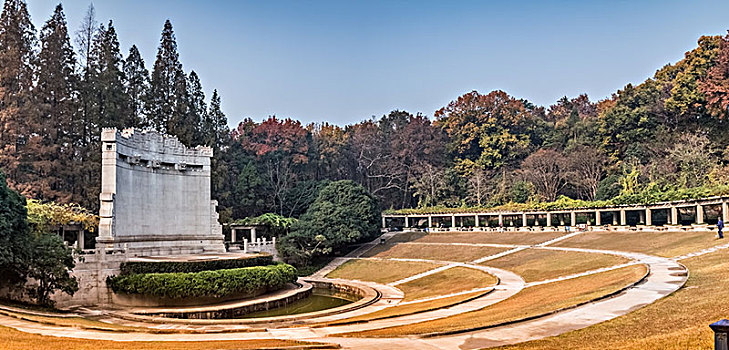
319,300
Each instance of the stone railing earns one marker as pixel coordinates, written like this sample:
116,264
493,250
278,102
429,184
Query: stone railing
260,245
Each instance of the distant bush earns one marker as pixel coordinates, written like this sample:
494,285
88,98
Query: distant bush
219,283
276,224
139,267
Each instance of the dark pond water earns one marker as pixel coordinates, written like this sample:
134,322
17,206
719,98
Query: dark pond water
314,302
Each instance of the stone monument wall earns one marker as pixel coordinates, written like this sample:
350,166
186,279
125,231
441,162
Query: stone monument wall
155,195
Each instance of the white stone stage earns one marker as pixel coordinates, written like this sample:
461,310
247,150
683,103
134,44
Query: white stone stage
156,195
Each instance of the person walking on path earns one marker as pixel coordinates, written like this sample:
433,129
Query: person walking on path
720,228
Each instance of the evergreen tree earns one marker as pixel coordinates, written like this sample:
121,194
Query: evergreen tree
109,99
137,86
215,127
103,103
17,110
215,133
85,37
56,98
168,98
197,110
14,236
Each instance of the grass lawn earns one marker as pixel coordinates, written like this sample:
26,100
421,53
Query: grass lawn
541,264
453,280
668,244
679,321
412,308
11,339
379,271
529,302
406,237
432,252
521,238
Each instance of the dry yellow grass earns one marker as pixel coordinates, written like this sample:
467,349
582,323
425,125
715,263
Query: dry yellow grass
408,309
432,252
11,339
668,244
380,271
530,302
406,237
521,238
542,264
78,322
453,280
677,322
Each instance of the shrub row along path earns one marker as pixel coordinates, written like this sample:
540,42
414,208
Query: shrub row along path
666,276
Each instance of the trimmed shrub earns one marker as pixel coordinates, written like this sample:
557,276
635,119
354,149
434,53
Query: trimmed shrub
219,284
344,213
141,267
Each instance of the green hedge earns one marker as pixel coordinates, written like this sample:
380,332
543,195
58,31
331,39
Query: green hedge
220,283
139,267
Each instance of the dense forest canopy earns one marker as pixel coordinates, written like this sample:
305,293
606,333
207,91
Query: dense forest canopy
664,135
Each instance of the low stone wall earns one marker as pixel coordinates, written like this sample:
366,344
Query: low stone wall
340,290
91,272
123,299
302,292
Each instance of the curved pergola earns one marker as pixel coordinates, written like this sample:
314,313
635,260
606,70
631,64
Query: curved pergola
692,214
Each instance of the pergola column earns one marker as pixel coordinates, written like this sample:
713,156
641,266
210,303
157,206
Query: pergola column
233,235
524,220
699,214
623,220
549,219
674,215
253,234
430,221
597,218
407,221
475,221
501,219
80,240
648,218
453,221
641,215
384,222
615,218
724,211
573,218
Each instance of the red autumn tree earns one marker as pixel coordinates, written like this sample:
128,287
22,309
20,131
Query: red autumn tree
281,147
716,84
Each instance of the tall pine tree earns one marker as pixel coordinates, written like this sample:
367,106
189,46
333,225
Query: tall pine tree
17,108
56,98
216,134
168,106
84,40
109,98
215,128
197,109
137,87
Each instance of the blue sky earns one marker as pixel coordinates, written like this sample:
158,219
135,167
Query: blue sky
345,61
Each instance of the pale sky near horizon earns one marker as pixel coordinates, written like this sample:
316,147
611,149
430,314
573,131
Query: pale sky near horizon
346,61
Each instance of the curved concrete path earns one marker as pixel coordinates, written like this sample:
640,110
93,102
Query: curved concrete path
666,276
